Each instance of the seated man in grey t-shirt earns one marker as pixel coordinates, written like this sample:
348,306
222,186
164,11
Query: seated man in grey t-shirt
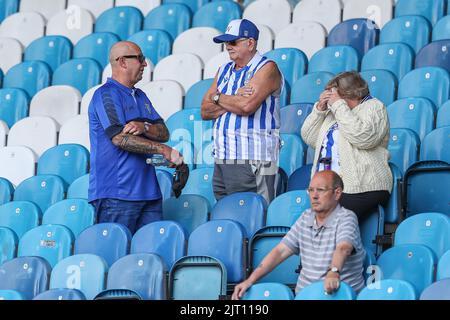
326,237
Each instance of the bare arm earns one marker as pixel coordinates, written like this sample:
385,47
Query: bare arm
340,254
137,144
156,132
209,109
278,254
265,82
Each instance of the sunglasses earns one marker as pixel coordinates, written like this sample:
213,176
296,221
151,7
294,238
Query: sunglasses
140,57
234,42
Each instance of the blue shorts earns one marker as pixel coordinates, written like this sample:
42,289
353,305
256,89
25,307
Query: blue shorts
132,214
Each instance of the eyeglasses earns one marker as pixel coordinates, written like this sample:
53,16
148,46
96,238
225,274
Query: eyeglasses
235,42
140,57
319,190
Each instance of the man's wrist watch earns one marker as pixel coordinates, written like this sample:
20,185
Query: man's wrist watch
333,269
216,97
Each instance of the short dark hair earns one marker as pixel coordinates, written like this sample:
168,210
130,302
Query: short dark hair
337,181
350,85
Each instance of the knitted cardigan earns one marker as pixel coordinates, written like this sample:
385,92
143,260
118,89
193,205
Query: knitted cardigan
362,146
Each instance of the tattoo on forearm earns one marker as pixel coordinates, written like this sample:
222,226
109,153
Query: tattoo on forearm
139,145
158,133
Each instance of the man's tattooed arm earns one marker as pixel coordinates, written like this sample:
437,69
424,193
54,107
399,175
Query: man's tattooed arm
136,144
157,132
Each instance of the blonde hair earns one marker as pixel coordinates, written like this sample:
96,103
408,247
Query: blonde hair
349,85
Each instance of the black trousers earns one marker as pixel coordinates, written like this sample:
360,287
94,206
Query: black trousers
364,203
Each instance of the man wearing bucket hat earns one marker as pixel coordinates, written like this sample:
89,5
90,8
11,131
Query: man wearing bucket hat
243,101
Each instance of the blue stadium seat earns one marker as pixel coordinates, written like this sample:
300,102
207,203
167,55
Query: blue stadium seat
54,50
443,266
61,294
79,188
334,59
428,82
44,190
51,242
1,77
309,87
261,244
30,76
426,185
372,227
27,275
222,240
268,291
382,85
291,62
107,240
443,115
115,294
194,95
84,272
68,161
436,145
144,273
6,190
165,183
292,153
300,178
189,210
8,244
410,262
200,182
362,34
122,20
434,54
389,289
369,265
154,43
11,295
19,216
96,46
393,207
193,5
7,8
403,148
416,114
75,214
315,291
285,209
14,102
205,156
198,278
183,146
440,290
165,238
80,73
412,30
293,116
216,14
431,229
174,18
441,29
432,10
247,208
397,58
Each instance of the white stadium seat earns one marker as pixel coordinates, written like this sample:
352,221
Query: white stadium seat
276,14
326,12
58,102
45,7
10,53
144,5
198,41
86,99
186,68
306,36
265,39
76,130
380,11
213,64
96,7
18,163
3,133
166,96
146,76
74,23
36,133
23,26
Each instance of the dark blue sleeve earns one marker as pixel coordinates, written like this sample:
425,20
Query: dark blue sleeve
108,106
150,113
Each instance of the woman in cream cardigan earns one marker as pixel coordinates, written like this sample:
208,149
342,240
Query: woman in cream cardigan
349,130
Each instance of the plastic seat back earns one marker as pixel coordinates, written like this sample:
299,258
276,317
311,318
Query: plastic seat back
434,54
435,145
285,209
441,29
293,116
59,24
437,291
174,18
30,76
14,102
389,289
8,241
290,61
334,59
6,190
372,227
121,20
17,163
20,216
382,85
84,272
315,291
200,182
53,50
96,46
300,178
403,148
61,294
155,44
309,87
79,188
443,270
268,291
27,275
11,295
195,94
80,73
443,115
292,153
165,238
217,14
107,240
189,210
431,10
